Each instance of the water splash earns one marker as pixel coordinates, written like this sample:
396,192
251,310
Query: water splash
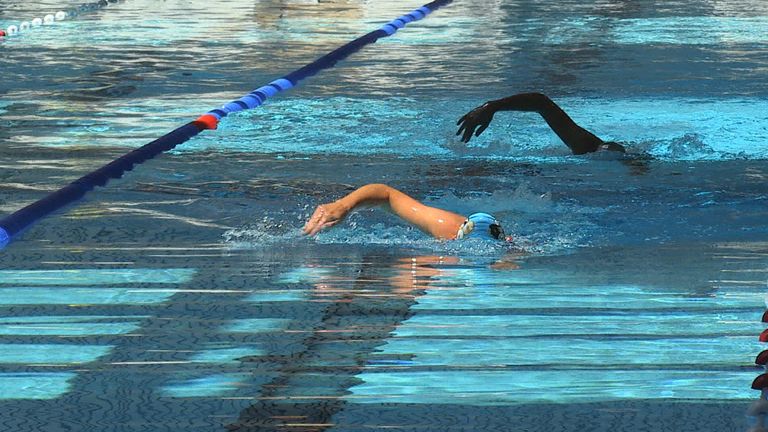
691,146
267,232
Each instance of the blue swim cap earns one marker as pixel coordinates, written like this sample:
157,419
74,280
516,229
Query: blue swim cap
482,226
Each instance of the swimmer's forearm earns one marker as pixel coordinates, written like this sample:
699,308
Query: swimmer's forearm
578,139
533,102
370,194
377,194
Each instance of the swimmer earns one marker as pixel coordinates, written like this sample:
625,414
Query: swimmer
578,139
439,223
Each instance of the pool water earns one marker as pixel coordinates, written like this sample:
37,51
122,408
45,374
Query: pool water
183,296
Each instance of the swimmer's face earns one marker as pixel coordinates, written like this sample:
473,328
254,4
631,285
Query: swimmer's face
497,231
612,146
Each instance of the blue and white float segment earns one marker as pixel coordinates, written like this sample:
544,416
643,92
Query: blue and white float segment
13,30
15,223
261,94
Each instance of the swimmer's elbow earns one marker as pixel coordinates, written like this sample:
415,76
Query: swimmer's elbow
539,101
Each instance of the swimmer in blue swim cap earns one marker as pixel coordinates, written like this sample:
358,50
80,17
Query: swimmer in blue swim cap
441,224
578,139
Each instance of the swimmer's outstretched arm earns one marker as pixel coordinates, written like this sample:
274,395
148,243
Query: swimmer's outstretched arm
578,139
441,224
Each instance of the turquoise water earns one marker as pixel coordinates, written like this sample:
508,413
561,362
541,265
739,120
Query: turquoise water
184,297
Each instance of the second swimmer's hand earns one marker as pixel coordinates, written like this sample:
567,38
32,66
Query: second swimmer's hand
475,122
325,216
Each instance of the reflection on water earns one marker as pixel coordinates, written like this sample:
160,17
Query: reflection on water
358,315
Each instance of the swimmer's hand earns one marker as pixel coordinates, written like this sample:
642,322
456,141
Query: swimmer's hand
476,121
325,216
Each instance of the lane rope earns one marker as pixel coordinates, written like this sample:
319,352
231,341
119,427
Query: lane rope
15,223
49,19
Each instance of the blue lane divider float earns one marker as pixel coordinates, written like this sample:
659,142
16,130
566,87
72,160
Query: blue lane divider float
23,26
15,223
